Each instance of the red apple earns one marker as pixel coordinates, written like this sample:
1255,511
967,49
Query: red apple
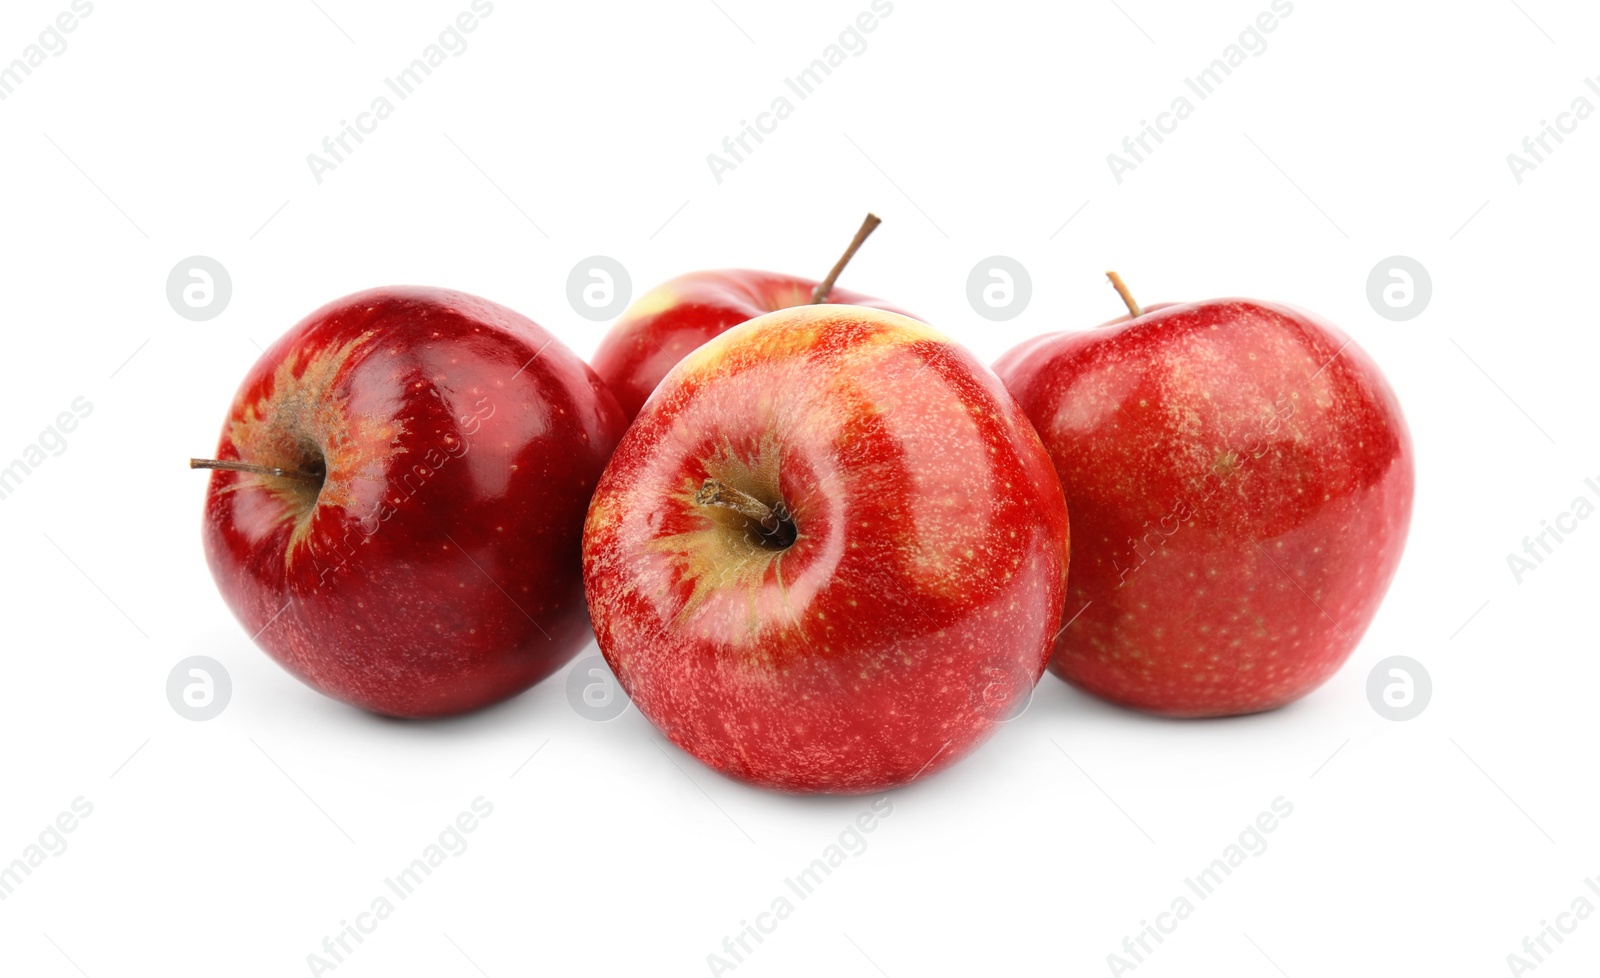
399,496
664,324
1240,477
830,554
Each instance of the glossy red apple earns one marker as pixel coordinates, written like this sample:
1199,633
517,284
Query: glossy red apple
399,496
664,324
1240,478
830,553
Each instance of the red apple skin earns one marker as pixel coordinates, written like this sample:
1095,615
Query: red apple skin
917,604
664,324
437,569
1240,480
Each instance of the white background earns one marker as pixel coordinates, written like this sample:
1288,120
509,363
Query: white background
1364,130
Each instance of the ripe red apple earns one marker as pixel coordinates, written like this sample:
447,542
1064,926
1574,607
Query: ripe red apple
1239,477
664,324
830,553
399,496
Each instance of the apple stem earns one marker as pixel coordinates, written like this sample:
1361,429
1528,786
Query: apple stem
714,493
211,463
824,287
1134,308
777,531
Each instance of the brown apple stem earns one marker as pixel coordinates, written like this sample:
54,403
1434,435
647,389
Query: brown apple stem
714,493
211,463
820,293
1134,309
774,528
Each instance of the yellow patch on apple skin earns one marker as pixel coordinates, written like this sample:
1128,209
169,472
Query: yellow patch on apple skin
657,300
795,332
797,295
603,514
299,420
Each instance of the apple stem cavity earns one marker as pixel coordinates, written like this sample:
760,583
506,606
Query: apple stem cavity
820,293
211,463
775,530
1134,309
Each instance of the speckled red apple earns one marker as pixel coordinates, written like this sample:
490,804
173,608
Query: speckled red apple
399,497
830,554
673,318
1240,479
